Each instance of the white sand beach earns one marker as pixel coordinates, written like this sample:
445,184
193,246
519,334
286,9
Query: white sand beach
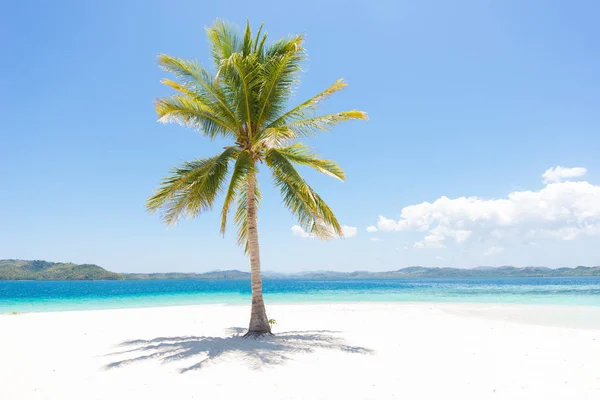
320,351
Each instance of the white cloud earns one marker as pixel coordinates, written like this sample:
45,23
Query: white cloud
371,228
298,231
435,240
494,250
348,231
563,210
439,234
462,235
376,239
558,174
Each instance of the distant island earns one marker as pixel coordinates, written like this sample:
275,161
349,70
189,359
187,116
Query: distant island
45,270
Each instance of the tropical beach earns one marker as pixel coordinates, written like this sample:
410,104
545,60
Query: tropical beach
314,200
319,351
505,338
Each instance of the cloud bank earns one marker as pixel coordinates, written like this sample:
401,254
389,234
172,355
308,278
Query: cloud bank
562,209
558,174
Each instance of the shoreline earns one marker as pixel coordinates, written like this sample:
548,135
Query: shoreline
98,306
560,315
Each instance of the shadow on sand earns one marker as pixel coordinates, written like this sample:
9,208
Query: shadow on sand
268,350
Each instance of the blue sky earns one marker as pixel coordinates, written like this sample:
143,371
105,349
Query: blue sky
466,98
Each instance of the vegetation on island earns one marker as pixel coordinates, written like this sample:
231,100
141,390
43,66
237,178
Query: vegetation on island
45,270
244,100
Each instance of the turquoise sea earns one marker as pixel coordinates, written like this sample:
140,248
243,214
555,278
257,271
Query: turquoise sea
39,296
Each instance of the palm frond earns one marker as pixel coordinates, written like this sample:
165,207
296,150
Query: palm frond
300,154
258,40
313,214
193,113
313,125
241,77
224,40
191,188
198,82
288,45
282,135
206,95
248,42
279,77
309,106
272,138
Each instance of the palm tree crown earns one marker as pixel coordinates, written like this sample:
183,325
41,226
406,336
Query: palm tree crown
245,100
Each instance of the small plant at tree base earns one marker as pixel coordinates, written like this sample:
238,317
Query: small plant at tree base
272,321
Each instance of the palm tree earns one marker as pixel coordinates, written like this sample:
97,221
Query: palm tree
244,101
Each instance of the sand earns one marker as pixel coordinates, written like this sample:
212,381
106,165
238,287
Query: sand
320,351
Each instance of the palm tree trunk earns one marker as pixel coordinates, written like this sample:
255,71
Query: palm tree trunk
259,323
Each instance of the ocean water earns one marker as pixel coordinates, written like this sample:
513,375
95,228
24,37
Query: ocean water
39,296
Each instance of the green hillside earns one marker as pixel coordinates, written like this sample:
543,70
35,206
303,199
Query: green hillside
45,270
